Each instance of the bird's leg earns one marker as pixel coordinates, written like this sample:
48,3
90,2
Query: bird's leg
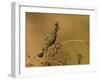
54,49
57,46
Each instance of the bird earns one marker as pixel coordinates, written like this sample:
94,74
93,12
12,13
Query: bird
50,39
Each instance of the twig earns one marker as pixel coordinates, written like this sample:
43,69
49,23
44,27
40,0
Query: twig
51,61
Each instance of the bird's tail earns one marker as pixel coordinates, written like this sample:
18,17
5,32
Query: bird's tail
41,53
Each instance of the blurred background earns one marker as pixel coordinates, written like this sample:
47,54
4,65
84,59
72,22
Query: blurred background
72,27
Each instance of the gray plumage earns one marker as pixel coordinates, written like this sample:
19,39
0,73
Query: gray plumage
50,39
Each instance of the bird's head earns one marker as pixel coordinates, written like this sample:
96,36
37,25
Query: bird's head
57,26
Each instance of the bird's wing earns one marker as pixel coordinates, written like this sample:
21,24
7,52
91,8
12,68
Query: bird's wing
46,37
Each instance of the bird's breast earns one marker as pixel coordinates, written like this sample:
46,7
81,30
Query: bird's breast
51,40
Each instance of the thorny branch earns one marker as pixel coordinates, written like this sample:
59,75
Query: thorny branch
57,46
